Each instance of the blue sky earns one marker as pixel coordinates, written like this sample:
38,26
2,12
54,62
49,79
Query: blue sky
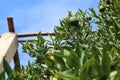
38,15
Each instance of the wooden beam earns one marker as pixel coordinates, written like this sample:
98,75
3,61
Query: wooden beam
8,47
35,34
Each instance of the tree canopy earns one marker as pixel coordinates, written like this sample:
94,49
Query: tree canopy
76,52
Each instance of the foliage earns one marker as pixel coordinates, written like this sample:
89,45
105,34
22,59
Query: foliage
76,52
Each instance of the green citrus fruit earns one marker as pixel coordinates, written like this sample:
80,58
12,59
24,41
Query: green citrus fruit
101,9
73,21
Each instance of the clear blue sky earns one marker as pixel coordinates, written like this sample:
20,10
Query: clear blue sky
38,15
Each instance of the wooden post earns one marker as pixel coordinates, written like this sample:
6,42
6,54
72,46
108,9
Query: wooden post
11,29
8,47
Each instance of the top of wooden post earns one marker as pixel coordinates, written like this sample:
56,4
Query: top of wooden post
10,24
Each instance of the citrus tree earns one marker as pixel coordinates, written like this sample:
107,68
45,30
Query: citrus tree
76,52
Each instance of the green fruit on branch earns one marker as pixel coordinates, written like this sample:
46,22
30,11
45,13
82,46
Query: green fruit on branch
73,21
89,18
101,9
108,2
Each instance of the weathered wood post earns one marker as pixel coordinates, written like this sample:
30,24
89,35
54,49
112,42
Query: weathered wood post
8,47
11,29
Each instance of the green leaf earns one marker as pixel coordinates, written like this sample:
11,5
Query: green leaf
117,76
89,63
41,40
2,76
112,75
49,62
16,66
78,50
66,52
106,63
92,11
7,67
72,59
84,74
59,60
66,75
